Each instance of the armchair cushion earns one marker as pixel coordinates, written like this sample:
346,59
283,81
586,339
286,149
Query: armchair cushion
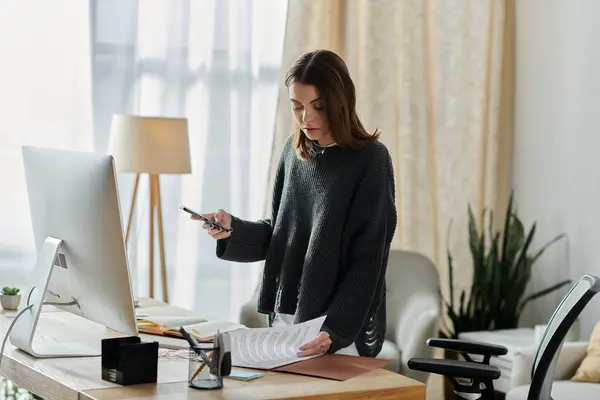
589,369
569,358
561,390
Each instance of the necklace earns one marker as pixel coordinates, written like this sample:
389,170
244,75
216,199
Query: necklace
323,148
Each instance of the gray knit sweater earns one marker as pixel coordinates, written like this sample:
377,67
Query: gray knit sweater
326,246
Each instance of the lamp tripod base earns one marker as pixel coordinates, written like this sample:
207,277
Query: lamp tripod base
155,219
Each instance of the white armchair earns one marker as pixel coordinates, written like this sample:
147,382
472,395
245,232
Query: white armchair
413,311
251,318
570,357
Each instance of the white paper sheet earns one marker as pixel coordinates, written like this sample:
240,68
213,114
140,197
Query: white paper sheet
267,348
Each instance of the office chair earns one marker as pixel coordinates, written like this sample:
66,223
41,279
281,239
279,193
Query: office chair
473,380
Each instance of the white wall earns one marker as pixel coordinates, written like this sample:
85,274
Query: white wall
556,172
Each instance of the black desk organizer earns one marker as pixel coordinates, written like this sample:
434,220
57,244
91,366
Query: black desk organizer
128,361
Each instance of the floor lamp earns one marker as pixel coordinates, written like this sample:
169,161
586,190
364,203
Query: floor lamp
152,146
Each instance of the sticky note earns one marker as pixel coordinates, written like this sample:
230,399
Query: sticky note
244,375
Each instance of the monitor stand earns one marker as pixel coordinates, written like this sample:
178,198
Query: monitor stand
23,333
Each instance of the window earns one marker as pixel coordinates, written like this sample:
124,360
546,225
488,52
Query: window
68,67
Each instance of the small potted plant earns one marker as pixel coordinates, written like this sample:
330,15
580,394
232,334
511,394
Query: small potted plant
10,298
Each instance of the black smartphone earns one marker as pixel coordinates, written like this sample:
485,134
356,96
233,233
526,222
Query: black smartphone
203,218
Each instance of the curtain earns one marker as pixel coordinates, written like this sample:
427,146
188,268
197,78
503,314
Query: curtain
436,77
68,66
45,100
215,62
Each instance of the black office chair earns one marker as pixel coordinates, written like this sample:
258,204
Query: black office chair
474,379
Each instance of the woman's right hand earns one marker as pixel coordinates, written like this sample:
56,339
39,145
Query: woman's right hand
221,217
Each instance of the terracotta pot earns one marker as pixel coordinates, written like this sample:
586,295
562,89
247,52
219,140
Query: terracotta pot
10,302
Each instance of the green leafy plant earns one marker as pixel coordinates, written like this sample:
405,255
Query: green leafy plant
8,291
502,265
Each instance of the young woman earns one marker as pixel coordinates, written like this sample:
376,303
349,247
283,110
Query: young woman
333,217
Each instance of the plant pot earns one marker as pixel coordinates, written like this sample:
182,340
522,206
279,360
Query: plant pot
10,302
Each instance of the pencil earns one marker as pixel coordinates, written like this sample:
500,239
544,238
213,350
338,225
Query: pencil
201,367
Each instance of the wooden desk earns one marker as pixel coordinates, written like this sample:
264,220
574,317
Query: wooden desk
79,378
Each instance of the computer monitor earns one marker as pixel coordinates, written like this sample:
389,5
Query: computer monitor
82,262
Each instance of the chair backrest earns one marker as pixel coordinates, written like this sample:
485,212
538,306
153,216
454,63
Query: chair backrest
562,319
410,277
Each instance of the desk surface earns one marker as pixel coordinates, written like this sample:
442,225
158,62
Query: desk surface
79,378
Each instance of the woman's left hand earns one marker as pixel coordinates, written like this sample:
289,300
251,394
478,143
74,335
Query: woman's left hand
318,345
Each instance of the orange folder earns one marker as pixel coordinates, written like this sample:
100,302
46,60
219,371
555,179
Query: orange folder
338,367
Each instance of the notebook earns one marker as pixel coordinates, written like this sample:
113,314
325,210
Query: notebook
203,331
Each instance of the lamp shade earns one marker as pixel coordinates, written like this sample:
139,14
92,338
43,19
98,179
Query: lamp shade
150,145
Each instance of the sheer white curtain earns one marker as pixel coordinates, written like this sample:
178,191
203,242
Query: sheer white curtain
217,63
45,100
68,65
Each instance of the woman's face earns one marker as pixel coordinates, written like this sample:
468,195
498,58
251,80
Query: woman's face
309,113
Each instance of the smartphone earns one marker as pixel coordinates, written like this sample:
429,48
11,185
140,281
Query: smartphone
203,218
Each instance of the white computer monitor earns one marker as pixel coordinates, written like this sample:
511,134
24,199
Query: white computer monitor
82,262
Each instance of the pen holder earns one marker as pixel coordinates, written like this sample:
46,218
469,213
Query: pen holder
209,363
200,374
128,361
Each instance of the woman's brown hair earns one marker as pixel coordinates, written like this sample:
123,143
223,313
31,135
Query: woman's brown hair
328,73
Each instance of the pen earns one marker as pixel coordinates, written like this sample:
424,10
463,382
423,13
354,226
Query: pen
190,338
193,344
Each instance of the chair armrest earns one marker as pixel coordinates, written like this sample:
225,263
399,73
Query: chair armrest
455,369
571,355
468,347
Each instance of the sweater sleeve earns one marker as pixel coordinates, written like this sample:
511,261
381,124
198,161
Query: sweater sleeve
248,242
371,224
